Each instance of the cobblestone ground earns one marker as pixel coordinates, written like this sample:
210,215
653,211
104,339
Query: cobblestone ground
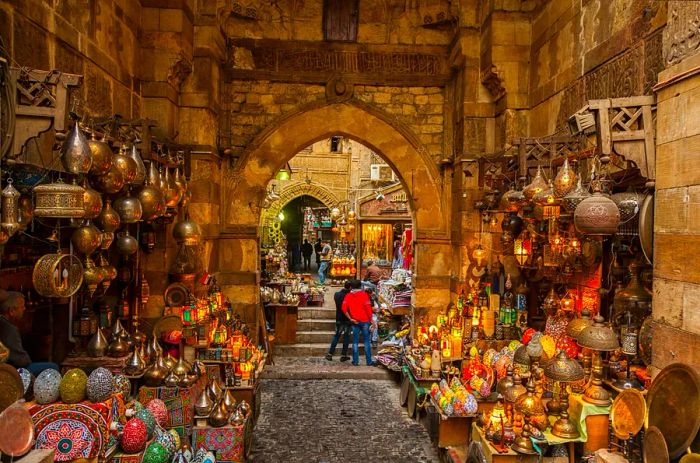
337,421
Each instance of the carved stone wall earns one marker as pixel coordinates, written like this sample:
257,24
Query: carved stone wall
682,33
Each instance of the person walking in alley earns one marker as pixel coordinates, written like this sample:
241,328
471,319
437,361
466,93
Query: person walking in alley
326,254
358,308
306,250
342,325
318,247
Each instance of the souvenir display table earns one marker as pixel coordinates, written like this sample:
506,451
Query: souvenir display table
494,456
179,402
229,444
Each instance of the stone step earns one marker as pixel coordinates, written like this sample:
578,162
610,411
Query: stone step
320,368
317,313
313,350
316,324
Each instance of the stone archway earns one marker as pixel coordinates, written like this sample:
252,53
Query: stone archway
429,195
296,189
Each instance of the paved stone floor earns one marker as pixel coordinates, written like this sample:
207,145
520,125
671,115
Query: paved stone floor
320,368
337,421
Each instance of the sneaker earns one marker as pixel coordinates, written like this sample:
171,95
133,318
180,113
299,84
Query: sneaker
373,364
354,363
329,357
344,358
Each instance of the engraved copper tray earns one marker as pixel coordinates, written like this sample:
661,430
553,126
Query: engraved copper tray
646,227
11,387
674,406
655,450
628,413
16,430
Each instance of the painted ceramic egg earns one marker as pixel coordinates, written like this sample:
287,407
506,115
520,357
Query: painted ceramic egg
176,438
123,385
488,356
72,388
46,386
527,335
148,419
159,410
27,381
470,405
138,406
100,385
165,439
513,345
209,458
134,436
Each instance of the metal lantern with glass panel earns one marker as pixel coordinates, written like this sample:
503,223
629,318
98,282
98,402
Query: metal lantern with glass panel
563,370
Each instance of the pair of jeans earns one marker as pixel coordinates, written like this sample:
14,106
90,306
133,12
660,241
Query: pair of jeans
322,271
307,262
341,328
356,328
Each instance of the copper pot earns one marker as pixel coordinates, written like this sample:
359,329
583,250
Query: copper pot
108,219
110,182
86,239
128,208
101,156
76,156
126,165
92,202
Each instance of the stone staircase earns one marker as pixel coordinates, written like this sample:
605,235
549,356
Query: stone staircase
315,330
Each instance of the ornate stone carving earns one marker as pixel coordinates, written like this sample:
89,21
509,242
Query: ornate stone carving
179,70
337,90
682,32
493,82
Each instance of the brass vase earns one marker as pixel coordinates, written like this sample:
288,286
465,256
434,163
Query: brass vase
76,156
188,380
118,348
128,208
182,367
229,400
101,156
219,415
86,239
215,391
237,418
204,404
110,182
125,165
108,219
92,202
116,331
181,183
171,380
98,344
134,364
140,176
156,373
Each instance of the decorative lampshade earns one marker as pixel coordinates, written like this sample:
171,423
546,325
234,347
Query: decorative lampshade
546,197
479,254
522,249
575,196
551,303
538,184
598,214
599,336
565,180
568,302
563,369
575,326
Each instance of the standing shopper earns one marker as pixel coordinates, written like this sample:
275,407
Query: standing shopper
358,309
318,247
306,250
342,325
326,254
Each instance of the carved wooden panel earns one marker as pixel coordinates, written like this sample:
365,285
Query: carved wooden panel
340,20
682,32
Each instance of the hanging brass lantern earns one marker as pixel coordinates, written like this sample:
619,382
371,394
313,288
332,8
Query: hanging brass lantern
126,165
151,197
110,182
101,156
140,176
187,232
86,239
108,219
76,156
180,182
59,200
92,202
538,184
565,180
91,276
171,192
128,208
127,244
10,209
57,275
597,215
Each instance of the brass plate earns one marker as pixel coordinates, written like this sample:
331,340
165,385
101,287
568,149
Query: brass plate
167,323
655,450
16,430
628,413
674,406
11,387
690,458
176,295
646,227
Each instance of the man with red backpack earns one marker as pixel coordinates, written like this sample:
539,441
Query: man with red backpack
358,308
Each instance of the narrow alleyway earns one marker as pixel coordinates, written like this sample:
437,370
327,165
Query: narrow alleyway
337,421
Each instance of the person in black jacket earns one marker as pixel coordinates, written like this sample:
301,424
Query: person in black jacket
318,248
306,250
342,325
